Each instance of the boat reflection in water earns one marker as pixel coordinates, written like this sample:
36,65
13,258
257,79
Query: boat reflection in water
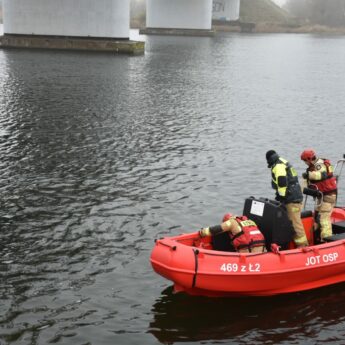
184,318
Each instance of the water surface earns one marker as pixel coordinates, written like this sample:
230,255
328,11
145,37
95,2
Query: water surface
101,154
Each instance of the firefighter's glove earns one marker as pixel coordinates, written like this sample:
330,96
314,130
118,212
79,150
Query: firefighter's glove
204,232
305,175
275,248
278,198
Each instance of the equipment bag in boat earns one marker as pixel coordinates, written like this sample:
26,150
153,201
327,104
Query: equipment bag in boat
271,218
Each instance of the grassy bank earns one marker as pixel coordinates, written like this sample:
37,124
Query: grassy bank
263,11
266,27
317,29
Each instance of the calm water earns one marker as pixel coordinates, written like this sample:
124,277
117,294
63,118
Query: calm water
101,154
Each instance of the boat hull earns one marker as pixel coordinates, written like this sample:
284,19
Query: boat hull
196,270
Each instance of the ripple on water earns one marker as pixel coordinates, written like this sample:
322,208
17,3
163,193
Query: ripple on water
102,154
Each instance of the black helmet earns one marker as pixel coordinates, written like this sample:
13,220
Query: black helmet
271,157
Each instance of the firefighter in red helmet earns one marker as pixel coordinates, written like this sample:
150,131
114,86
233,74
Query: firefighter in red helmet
227,216
244,234
319,175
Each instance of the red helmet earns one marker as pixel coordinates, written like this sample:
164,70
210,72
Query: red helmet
227,216
308,155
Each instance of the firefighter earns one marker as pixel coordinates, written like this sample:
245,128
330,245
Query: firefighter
244,234
288,192
319,175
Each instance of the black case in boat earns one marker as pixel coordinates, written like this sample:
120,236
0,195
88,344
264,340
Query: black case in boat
339,227
272,220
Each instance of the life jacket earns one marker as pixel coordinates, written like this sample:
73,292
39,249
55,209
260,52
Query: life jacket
328,184
250,236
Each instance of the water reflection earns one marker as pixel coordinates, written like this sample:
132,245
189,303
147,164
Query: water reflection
182,318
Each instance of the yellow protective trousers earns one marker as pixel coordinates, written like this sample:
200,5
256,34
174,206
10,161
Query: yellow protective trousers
294,214
325,211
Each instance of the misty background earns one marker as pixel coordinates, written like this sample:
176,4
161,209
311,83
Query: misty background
329,13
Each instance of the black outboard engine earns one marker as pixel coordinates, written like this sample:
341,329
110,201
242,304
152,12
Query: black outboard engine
272,220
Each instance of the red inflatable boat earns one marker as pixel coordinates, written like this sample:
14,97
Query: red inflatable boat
206,267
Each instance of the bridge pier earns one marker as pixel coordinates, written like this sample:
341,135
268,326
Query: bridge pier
64,24
179,17
226,10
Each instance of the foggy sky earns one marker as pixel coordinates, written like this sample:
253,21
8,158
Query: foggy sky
280,2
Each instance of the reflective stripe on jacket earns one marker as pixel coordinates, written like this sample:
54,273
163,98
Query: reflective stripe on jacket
249,235
285,182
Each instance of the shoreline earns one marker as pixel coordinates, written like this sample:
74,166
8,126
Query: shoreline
261,28
281,28
265,27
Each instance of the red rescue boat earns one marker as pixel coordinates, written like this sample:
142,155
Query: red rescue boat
205,267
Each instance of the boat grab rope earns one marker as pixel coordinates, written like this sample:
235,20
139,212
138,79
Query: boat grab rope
173,247
196,253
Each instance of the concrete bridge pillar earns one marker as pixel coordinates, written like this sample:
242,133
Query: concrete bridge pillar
226,10
76,18
182,17
100,21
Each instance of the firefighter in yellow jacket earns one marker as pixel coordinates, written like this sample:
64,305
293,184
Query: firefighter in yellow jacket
288,192
319,175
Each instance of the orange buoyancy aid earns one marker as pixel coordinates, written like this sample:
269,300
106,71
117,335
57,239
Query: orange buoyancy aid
250,236
328,184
